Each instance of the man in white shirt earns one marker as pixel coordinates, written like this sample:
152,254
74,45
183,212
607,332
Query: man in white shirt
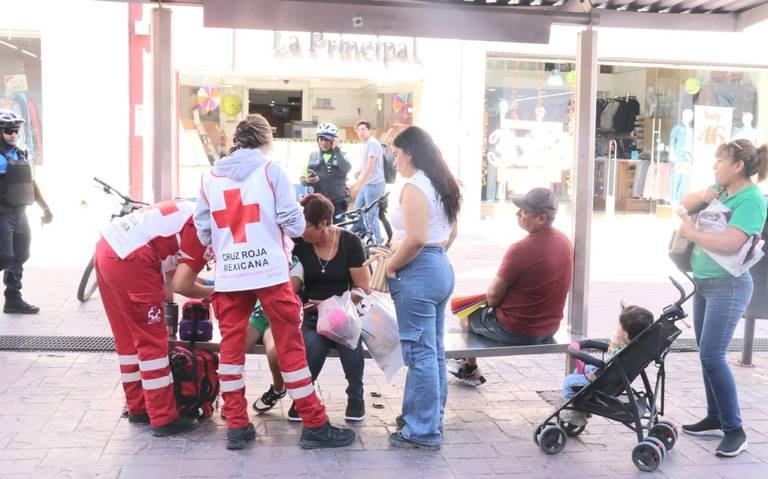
370,184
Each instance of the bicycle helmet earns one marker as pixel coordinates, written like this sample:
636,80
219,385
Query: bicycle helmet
9,119
327,130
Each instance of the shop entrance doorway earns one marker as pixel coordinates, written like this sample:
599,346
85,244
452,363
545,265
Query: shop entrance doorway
280,107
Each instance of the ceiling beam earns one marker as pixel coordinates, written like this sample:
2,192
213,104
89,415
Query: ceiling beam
752,16
666,21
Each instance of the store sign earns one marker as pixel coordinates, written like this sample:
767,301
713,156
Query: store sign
692,86
711,128
345,47
16,83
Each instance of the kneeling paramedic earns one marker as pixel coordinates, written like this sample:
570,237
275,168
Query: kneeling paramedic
132,259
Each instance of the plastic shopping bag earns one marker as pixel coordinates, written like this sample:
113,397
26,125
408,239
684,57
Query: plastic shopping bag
339,321
380,333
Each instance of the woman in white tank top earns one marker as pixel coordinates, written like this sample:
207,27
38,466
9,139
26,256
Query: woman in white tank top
421,281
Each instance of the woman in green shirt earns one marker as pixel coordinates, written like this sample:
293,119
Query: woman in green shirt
721,299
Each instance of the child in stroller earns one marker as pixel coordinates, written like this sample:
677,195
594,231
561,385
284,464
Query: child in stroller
611,395
632,321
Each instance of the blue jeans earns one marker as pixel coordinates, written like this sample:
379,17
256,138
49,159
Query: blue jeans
718,305
575,381
421,293
352,360
368,194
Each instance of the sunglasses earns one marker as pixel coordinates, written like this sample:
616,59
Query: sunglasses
11,131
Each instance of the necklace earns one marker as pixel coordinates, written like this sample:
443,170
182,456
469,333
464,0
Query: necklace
324,265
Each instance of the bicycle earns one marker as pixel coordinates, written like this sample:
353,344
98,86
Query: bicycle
352,218
88,283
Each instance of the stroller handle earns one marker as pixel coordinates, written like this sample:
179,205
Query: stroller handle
683,296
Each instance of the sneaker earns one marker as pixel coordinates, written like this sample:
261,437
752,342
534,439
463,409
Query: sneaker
238,438
469,375
19,306
268,400
705,427
326,436
574,418
396,439
180,424
293,414
400,423
355,410
138,418
733,443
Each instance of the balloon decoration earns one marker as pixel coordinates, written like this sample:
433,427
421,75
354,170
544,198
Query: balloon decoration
208,99
231,104
402,105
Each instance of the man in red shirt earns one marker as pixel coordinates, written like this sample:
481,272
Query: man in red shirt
527,297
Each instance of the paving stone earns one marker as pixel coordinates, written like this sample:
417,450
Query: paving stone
470,466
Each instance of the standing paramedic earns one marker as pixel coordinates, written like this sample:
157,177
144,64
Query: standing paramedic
247,212
131,258
17,191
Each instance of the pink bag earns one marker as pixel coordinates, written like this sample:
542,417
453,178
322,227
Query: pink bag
339,321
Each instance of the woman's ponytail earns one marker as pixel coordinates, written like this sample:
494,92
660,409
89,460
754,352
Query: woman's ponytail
762,163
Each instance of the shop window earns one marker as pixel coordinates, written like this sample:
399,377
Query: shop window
21,89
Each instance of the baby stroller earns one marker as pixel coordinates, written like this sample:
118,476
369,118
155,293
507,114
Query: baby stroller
611,394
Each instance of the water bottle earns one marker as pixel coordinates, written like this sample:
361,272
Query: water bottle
171,311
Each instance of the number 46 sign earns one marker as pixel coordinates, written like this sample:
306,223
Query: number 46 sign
712,126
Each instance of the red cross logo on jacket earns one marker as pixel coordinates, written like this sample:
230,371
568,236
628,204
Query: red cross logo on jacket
166,207
236,215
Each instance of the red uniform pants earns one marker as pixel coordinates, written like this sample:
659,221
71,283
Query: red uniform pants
283,309
132,292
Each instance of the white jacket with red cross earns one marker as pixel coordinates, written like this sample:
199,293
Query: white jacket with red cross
247,212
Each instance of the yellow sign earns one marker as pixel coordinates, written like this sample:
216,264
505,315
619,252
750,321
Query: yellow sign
231,104
692,86
570,78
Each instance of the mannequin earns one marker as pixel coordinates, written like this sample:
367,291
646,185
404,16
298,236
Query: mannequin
746,131
681,155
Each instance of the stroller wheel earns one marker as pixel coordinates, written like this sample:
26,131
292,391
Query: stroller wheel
571,430
552,439
646,456
538,430
658,443
665,432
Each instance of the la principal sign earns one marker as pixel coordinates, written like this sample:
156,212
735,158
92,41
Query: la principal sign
345,47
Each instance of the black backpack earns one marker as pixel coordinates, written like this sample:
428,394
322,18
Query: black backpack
390,173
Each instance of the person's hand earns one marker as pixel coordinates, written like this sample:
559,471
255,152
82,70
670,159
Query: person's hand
336,142
313,179
686,228
709,195
391,274
353,191
47,216
314,301
357,174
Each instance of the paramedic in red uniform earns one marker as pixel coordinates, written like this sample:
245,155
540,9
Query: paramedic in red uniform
247,213
131,260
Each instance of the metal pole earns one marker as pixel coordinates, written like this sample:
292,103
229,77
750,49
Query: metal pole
586,88
749,342
163,105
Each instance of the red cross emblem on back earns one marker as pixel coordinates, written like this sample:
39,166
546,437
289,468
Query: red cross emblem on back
236,215
166,207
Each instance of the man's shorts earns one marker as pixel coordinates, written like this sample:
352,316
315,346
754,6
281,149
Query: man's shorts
484,323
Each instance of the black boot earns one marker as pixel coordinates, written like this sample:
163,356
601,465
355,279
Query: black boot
238,438
16,305
326,436
180,424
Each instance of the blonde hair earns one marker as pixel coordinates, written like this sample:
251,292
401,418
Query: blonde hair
253,132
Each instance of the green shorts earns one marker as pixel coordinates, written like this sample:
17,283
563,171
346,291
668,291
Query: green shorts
258,320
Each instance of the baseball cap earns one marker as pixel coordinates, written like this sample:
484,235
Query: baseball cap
538,200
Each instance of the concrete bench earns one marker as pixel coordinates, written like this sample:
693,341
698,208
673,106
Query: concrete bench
459,343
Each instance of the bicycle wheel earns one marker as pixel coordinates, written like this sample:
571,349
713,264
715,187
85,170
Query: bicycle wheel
88,283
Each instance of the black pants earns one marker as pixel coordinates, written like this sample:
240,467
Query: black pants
15,238
352,360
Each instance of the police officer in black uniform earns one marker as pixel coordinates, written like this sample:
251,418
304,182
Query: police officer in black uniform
17,191
327,169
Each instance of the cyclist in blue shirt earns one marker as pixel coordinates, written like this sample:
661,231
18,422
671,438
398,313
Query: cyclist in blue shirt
17,191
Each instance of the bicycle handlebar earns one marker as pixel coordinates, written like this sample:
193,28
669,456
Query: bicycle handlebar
109,189
354,214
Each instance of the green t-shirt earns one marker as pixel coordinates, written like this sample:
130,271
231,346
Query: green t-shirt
748,212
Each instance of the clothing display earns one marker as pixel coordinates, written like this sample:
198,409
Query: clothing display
618,114
661,173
